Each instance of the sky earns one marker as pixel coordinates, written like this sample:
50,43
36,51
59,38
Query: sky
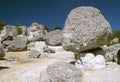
54,12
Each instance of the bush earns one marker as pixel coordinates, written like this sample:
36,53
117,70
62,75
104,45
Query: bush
1,25
46,27
57,27
19,30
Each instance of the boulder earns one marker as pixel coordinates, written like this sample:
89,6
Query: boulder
40,46
18,44
111,51
61,72
114,41
2,52
90,61
54,38
2,33
85,29
36,32
34,54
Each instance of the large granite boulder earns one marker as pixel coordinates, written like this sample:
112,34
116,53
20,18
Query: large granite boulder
36,32
85,29
2,52
61,72
54,38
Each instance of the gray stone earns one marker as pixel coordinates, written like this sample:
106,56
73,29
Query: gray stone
54,38
112,51
114,41
36,32
85,29
18,44
2,52
34,54
63,72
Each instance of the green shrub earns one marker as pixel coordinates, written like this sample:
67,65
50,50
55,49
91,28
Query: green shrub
57,27
46,27
19,30
1,25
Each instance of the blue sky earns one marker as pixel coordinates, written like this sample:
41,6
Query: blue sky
54,12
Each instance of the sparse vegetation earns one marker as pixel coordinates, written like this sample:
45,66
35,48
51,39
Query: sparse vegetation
46,27
57,27
19,30
1,24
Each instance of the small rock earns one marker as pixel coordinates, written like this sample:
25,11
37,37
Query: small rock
34,54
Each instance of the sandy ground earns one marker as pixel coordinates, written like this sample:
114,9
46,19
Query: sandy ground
30,71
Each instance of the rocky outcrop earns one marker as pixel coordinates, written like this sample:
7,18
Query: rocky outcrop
61,72
85,29
54,38
36,32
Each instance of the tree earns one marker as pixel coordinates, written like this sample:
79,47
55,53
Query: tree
46,27
57,27
1,24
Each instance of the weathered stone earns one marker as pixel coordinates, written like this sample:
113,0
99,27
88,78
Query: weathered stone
40,46
114,41
62,72
18,44
112,50
85,29
54,38
36,32
34,54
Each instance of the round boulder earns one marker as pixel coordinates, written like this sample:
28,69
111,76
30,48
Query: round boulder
54,38
85,29
61,72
